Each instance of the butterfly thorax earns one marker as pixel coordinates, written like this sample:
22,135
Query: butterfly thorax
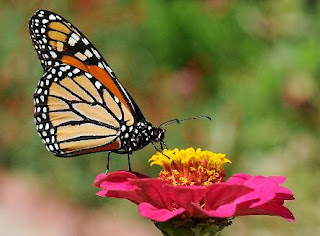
138,136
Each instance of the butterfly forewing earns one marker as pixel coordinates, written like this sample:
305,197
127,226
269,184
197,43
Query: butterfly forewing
58,42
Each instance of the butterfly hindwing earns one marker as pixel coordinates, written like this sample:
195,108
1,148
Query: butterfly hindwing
76,114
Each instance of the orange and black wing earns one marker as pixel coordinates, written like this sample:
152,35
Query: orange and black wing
57,42
75,114
79,102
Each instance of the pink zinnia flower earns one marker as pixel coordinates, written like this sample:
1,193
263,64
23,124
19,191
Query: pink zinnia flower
191,188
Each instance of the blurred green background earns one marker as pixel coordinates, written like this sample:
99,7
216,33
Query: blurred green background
253,66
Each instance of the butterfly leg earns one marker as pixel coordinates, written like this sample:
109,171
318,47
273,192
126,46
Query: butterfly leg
163,145
155,147
129,164
108,162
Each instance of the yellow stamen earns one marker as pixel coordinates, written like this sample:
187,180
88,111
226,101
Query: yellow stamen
190,166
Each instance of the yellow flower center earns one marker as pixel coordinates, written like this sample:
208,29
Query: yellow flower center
190,167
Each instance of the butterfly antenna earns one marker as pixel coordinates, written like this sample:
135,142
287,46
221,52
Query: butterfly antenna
180,120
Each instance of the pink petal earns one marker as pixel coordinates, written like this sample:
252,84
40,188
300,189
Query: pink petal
223,211
224,193
118,185
283,196
153,192
102,193
185,196
284,193
278,179
264,191
238,178
158,214
268,209
132,196
198,212
278,210
118,180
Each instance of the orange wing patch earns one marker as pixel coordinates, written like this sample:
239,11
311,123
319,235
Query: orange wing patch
71,85
99,74
108,82
85,83
56,104
112,104
78,146
58,118
57,26
85,129
74,62
55,35
112,146
97,113
59,91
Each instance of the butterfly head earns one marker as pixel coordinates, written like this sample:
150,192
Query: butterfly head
158,134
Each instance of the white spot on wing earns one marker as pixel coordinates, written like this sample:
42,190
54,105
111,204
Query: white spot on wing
109,70
96,53
88,75
86,42
60,46
76,71
72,41
75,36
80,56
53,54
98,84
88,53
52,17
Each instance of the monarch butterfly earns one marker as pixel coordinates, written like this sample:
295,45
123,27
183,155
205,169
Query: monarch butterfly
80,105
